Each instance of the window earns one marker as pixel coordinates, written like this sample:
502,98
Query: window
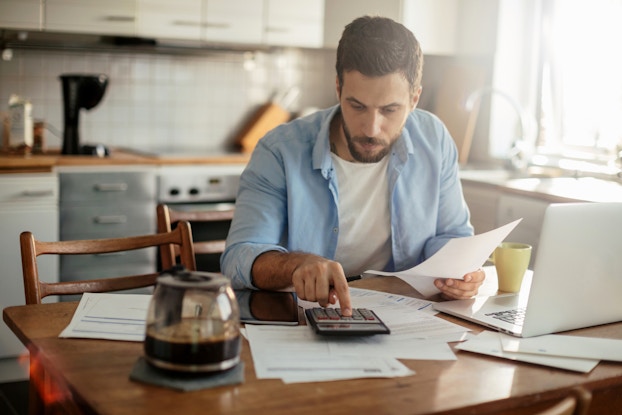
580,106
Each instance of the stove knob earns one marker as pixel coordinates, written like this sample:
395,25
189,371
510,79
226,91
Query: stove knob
174,191
193,191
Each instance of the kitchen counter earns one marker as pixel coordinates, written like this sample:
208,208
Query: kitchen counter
15,163
550,189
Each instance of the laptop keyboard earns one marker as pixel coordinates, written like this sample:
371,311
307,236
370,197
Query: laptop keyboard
516,317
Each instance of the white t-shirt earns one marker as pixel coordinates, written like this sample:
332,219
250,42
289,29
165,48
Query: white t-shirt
364,219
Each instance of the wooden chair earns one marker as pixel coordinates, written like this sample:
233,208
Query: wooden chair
35,289
167,217
577,403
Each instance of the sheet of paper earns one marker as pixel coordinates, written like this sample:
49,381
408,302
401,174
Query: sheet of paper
109,316
568,346
490,343
305,357
376,300
458,257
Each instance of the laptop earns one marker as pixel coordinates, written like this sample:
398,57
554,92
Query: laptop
577,276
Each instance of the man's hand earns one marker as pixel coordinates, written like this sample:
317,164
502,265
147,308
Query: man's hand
314,278
454,289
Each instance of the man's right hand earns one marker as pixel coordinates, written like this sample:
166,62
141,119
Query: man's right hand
313,277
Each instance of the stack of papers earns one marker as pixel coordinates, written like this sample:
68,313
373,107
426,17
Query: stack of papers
303,356
109,316
576,353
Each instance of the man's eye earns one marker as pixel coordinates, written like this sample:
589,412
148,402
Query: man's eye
389,110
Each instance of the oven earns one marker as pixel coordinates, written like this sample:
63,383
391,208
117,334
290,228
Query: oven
201,187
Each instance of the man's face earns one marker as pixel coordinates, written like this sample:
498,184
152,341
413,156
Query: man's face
374,112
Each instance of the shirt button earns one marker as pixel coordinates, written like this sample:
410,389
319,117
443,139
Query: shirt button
335,230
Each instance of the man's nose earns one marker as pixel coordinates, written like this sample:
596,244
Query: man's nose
372,124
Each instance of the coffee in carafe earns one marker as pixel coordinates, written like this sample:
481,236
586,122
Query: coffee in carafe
193,323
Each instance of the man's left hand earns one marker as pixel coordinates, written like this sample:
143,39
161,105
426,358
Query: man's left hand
467,287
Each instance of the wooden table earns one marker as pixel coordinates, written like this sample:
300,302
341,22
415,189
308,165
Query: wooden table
92,377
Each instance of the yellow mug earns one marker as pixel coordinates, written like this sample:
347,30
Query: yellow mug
511,261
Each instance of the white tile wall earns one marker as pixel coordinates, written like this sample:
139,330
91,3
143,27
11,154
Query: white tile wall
158,100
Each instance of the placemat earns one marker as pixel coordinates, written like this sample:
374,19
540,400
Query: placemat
146,373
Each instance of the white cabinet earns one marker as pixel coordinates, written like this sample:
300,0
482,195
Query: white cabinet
482,202
233,21
294,23
512,207
110,17
165,19
434,23
20,14
443,27
28,202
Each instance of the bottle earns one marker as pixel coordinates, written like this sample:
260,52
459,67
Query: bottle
21,130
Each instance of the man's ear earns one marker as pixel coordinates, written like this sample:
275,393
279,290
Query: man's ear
415,98
337,89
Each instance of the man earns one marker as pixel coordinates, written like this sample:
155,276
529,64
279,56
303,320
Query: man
368,184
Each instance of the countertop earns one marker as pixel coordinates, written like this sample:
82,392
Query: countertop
550,189
16,163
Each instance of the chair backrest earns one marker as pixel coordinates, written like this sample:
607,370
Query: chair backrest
577,403
168,216
35,289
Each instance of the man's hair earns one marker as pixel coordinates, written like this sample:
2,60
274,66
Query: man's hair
378,46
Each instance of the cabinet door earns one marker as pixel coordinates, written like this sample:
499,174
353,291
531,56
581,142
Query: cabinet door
26,204
165,19
233,21
294,23
111,17
434,23
20,14
512,207
482,202
339,13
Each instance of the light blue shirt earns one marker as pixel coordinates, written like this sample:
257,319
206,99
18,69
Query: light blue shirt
288,195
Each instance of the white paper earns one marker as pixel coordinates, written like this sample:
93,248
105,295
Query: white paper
490,343
296,354
568,346
458,257
377,300
109,316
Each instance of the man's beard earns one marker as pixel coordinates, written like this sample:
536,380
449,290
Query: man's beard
363,157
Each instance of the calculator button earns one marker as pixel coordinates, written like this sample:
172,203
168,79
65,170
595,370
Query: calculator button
332,314
367,315
320,314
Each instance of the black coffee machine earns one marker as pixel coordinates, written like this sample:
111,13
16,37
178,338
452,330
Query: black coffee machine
80,91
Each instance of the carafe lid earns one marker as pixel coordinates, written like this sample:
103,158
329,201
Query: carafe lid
180,277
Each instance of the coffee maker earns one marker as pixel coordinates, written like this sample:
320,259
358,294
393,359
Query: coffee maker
80,91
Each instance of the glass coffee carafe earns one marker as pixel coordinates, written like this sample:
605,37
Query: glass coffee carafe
193,323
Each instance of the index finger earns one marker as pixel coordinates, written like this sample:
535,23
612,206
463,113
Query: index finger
340,286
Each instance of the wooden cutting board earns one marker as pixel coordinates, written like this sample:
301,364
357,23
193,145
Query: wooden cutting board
267,117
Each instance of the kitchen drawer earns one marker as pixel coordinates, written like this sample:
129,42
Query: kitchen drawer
107,221
114,264
29,189
76,188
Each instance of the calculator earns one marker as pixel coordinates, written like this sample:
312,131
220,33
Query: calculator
329,321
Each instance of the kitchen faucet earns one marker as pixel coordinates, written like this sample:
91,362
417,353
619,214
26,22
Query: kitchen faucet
518,154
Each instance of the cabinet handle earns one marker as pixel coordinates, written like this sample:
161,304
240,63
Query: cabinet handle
37,193
119,18
210,25
110,219
186,23
111,187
